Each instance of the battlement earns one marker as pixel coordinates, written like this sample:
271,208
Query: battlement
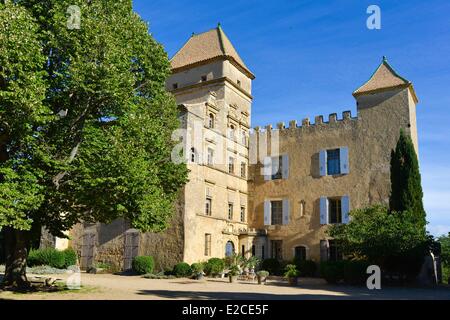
306,123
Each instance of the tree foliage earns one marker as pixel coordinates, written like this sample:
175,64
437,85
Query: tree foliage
85,120
375,233
406,187
445,249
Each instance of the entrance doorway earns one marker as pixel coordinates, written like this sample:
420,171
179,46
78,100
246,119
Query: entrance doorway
229,249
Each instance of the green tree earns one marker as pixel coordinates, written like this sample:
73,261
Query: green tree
445,249
406,188
375,233
445,256
86,123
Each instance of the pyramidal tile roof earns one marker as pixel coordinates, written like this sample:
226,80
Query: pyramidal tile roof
207,46
382,79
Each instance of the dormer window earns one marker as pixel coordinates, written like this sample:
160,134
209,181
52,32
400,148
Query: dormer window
204,78
175,86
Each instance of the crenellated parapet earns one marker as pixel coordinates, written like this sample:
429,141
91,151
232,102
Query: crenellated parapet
333,121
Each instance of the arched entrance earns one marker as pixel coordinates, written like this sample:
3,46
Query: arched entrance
229,249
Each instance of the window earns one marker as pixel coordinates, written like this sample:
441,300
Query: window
230,211
333,162
210,157
277,163
334,210
175,86
277,249
242,214
207,244
335,252
263,252
204,78
231,132
208,206
238,82
302,208
230,165
243,169
253,250
193,155
211,121
243,250
277,212
244,137
300,253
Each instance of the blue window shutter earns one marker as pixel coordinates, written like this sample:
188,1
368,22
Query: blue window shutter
267,213
285,211
323,210
323,162
285,166
345,169
267,169
345,208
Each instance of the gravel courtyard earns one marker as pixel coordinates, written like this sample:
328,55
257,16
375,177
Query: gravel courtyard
124,287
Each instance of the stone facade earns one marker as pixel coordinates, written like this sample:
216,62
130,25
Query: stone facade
269,192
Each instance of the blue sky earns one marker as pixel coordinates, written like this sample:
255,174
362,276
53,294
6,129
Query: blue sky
309,56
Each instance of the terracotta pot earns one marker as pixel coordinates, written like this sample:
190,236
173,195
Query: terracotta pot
262,280
233,278
293,281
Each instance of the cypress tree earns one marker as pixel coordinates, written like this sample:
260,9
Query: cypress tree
406,188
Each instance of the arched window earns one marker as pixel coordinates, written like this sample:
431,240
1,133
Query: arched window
229,249
300,253
193,155
211,121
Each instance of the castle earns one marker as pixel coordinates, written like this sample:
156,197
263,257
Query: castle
268,192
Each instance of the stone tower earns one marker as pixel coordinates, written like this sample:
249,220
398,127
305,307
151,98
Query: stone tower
212,86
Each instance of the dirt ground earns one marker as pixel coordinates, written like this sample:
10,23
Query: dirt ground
125,287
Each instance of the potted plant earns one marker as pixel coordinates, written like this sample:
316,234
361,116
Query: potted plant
233,273
262,276
292,274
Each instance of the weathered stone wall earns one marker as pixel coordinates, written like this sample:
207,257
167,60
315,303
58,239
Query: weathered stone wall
370,137
166,247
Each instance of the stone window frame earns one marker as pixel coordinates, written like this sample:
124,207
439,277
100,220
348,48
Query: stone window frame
230,211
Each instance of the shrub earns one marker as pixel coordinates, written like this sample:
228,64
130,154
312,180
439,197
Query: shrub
291,271
45,270
355,272
214,266
262,273
197,267
182,269
143,264
234,270
307,268
272,265
70,257
332,271
48,257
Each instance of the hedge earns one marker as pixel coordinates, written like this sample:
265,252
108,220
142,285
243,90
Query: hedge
214,266
273,266
143,264
182,269
47,257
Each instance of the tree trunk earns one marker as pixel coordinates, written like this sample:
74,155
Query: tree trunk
16,249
